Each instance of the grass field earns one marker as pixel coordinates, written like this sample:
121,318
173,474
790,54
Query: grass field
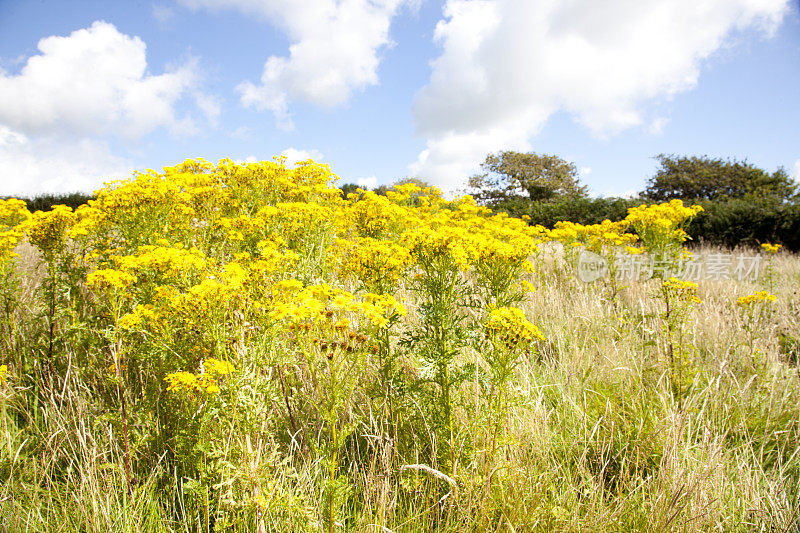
236,348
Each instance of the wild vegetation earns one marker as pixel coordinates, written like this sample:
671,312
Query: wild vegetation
237,347
742,204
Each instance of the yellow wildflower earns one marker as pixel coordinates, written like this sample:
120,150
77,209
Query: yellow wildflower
48,230
756,298
684,290
510,323
110,279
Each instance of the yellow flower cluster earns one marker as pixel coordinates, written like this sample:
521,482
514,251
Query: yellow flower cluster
660,226
109,279
13,214
756,298
380,309
593,236
322,305
166,260
378,264
669,214
3,373
510,324
140,316
683,290
373,215
205,382
443,242
771,248
48,230
293,220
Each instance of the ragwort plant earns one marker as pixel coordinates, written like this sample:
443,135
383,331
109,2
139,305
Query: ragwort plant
660,227
755,309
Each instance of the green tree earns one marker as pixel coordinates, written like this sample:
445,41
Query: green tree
704,178
349,188
383,189
514,179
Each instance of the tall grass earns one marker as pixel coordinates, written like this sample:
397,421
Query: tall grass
595,440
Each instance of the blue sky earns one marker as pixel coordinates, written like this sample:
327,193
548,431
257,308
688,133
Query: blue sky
383,89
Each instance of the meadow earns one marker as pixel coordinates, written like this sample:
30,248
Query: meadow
236,347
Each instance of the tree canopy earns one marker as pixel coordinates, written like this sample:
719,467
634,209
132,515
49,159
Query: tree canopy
510,176
704,178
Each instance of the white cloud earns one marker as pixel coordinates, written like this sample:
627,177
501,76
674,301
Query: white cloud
334,51
95,81
585,171
367,183
796,172
210,106
656,126
507,65
163,14
293,156
242,133
450,157
46,165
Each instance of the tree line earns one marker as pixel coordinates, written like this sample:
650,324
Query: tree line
744,205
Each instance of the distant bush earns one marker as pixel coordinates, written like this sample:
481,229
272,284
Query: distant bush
729,223
740,222
45,202
580,210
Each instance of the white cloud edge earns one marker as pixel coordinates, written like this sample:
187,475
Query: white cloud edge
465,113
335,51
96,81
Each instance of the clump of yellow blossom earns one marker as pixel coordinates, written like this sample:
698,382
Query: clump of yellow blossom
771,248
510,324
140,316
451,242
321,304
13,214
205,382
684,290
378,264
48,230
756,298
107,278
593,236
660,226
3,373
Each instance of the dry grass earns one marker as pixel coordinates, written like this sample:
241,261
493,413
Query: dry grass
595,441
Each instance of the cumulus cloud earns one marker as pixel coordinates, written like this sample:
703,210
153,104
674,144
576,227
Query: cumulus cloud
335,50
367,183
163,14
507,65
796,172
242,133
294,156
46,165
95,81
656,127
